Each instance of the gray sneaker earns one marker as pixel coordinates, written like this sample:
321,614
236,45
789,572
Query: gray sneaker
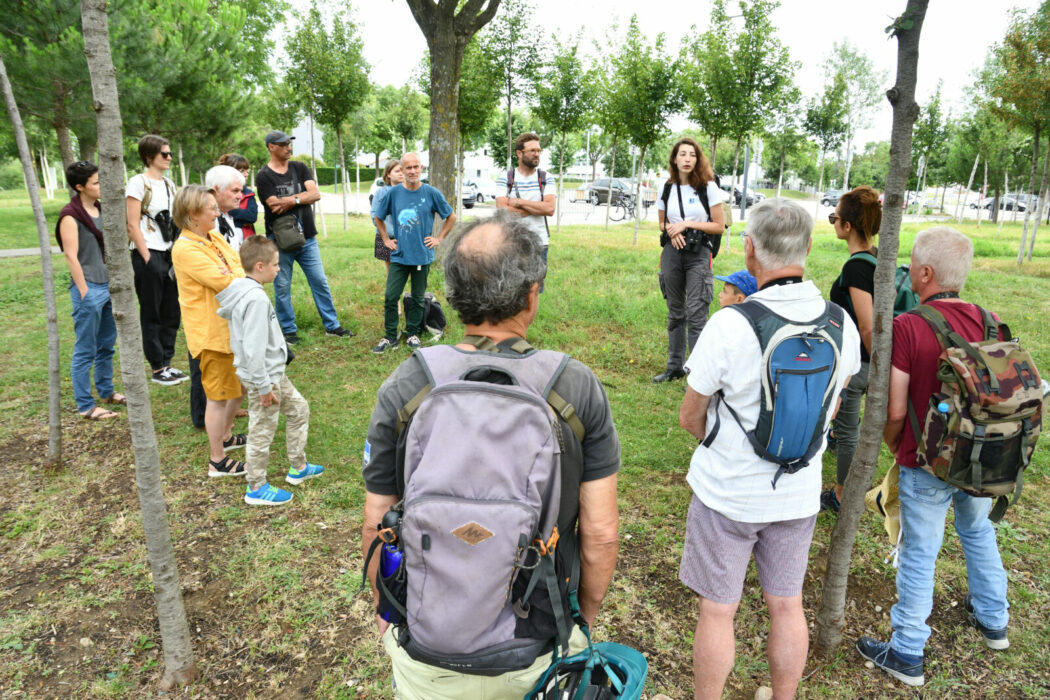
413,342
384,345
993,639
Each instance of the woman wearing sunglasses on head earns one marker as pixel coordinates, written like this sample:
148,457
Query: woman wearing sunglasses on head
856,220
149,198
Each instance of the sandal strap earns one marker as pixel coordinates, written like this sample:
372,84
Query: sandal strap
227,466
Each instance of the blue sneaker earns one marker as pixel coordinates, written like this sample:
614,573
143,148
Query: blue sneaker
880,654
266,495
298,476
993,639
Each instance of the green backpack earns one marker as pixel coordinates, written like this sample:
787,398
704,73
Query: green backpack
905,299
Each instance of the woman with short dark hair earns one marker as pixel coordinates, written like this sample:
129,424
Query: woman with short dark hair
149,198
79,234
685,264
856,219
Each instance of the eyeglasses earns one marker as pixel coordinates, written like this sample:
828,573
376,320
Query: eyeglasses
832,218
166,154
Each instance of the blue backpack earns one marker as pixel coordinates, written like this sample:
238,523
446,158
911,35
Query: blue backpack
800,368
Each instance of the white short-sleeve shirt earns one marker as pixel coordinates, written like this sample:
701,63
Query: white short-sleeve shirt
691,204
162,195
527,187
728,476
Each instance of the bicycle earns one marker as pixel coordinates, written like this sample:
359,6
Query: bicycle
624,207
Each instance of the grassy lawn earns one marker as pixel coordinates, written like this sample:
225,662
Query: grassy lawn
271,594
787,194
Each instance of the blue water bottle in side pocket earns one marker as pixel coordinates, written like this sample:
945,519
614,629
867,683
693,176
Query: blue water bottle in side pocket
391,579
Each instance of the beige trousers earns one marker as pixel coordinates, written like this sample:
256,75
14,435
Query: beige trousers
262,424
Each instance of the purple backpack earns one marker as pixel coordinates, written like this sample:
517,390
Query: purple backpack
482,495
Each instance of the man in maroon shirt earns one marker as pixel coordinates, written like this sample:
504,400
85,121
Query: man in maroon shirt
940,261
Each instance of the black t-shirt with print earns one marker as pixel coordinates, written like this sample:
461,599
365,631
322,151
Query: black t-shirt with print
271,184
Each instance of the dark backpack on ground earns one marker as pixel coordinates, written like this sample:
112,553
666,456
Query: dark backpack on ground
487,517
433,315
713,243
800,369
979,431
541,178
904,299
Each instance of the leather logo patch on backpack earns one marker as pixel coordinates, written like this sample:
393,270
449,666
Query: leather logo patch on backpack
472,533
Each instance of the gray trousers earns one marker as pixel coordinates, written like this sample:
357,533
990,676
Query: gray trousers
687,283
846,425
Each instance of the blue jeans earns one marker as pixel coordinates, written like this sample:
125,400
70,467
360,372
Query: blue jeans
924,504
309,259
96,333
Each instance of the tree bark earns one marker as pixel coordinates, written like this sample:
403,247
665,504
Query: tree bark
714,145
342,169
780,173
65,144
1030,190
318,209
510,136
1006,193
830,616
179,664
969,184
638,195
984,198
820,186
849,162
54,371
1042,206
561,179
609,193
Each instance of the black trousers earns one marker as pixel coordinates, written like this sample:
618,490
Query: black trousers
159,313
198,401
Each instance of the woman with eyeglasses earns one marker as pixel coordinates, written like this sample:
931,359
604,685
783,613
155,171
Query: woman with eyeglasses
856,220
149,197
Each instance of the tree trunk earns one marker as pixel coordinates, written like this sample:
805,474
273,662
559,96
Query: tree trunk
458,206
54,371
1006,190
1042,207
179,665
849,163
984,197
357,168
1030,190
342,169
714,145
609,193
445,63
969,184
561,179
65,145
318,208
830,616
736,162
638,195
780,174
820,187
510,136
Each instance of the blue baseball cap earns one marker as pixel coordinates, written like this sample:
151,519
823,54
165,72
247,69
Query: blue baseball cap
743,280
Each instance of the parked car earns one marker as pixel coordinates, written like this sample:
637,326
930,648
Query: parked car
1007,203
831,198
467,203
735,195
485,190
598,191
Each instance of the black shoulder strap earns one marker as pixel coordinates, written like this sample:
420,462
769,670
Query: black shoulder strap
541,179
666,194
510,181
703,199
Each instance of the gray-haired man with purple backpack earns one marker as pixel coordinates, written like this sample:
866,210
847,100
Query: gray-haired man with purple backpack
490,472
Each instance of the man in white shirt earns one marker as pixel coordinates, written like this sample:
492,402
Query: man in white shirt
735,510
529,191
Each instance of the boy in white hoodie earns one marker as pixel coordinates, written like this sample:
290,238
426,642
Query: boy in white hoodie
260,355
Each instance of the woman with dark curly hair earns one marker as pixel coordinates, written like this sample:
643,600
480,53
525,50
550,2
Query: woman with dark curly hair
856,220
685,264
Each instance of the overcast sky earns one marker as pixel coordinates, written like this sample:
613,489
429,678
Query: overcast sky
955,37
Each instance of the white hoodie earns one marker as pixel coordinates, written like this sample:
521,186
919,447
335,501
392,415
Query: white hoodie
260,352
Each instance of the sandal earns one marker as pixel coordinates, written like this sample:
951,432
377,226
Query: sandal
115,398
225,467
98,413
235,441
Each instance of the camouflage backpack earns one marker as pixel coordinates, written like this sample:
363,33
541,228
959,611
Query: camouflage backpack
980,429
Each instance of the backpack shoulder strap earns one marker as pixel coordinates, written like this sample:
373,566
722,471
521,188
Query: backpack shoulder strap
541,179
702,193
510,181
147,195
867,256
993,330
666,194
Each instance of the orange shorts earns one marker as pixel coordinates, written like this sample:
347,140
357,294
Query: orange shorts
218,376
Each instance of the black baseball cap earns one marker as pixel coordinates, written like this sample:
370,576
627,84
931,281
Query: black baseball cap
278,137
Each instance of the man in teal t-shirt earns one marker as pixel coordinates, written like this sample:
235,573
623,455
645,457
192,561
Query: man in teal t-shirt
412,206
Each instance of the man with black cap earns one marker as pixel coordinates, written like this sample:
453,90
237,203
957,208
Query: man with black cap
285,186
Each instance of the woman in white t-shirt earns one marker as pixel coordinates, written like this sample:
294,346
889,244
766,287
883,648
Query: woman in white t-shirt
685,264
149,198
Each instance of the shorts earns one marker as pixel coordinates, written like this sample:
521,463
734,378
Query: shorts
218,377
717,551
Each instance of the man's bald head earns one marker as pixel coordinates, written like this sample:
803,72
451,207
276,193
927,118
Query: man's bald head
491,267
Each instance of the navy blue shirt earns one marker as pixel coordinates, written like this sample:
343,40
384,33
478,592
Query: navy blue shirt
413,214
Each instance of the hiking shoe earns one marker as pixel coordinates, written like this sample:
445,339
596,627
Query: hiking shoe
384,345
169,376
993,639
298,476
291,338
413,342
669,375
829,501
880,654
340,332
266,495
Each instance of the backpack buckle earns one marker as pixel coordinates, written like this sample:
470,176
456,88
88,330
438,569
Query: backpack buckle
548,547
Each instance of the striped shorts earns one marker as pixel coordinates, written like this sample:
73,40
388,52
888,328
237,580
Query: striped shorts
717,551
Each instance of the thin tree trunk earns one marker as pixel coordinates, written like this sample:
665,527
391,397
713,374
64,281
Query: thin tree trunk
179,665
561,179
820,187
45,172
342,169
1006,189
510,136
849,163
830,616
969,184
780,173
944,193
182,168
65,144
984,197
609,193
357,168
1030,190
736,162
318,208
54,371
714,145
638,195
1042,207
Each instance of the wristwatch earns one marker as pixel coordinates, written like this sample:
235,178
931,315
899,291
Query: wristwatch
296,200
